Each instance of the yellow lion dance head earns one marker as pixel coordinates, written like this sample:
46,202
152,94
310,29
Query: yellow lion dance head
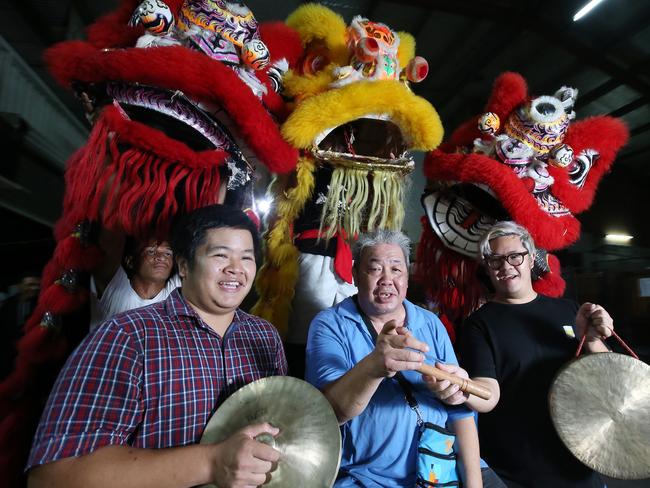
355,121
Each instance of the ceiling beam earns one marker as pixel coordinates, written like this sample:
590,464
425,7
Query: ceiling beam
464,73
640,129
553,30
625,156
604,88
635,24
596,93
629,107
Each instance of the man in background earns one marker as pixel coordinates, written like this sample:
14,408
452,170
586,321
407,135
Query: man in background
133,274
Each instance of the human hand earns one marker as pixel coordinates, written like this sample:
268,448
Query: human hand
445,390
396,350
594,322
242,462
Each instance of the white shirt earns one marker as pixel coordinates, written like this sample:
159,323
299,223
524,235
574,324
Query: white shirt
119,296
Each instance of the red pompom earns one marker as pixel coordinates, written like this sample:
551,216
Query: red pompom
417,69
551,284
509,91
366,49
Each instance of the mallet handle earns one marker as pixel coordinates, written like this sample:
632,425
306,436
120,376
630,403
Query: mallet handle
466,386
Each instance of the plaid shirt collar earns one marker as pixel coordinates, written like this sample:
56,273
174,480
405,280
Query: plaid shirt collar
177,305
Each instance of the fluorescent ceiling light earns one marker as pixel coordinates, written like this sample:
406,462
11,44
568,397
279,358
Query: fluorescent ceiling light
586,9
618,238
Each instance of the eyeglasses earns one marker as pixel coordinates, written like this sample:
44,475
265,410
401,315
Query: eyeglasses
495,261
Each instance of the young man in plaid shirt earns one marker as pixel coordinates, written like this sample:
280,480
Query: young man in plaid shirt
130,405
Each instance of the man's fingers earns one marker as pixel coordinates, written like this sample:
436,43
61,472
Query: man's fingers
259,466
405,365
254,430
589,310
265,453
449,368
585,309
600,322
603,330
432,380
412,343
254,480
452,369
403,360
409,342
403,331
402,363
447,393
436,384
456,398
389,328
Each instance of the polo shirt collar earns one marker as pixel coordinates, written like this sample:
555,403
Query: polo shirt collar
348,309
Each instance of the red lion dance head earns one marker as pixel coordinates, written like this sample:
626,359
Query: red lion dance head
524,159
184,100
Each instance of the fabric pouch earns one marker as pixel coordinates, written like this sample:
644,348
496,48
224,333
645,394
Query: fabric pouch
436,462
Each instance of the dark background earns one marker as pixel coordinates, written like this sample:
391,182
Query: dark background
467,44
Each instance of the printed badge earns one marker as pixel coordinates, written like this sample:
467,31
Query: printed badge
568,330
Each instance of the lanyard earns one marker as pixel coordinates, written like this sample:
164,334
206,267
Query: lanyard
403,382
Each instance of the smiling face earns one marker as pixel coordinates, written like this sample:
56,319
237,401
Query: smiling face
512,284
382,279
221,275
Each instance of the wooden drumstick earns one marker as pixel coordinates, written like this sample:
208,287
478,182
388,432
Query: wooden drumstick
466,386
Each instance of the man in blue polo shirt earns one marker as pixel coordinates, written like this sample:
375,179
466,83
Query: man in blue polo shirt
356,372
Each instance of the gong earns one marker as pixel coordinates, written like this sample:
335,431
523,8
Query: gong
309,441
600,407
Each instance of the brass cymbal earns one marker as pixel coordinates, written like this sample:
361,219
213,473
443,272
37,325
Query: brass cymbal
600,406
309,440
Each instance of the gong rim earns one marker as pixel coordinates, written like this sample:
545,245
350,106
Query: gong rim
600,408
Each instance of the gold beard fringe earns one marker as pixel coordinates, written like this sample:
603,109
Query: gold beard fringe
347,206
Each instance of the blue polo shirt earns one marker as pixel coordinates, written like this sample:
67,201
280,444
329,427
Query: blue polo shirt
379,445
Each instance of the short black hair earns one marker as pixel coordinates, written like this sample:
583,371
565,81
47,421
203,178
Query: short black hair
190,229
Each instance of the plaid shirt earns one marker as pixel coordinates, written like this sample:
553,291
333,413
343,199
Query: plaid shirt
151,378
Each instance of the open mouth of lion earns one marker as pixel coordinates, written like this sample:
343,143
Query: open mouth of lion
370,141
460,213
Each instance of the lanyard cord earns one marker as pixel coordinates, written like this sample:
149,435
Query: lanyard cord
403,382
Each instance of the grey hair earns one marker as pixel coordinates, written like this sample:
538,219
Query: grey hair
381,236
503,229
